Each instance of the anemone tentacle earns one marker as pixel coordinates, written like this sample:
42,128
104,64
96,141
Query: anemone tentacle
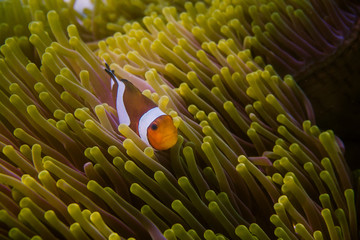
250,162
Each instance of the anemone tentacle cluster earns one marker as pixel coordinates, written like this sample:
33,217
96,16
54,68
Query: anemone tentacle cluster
249,163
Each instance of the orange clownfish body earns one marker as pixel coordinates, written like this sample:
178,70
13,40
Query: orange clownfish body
142,115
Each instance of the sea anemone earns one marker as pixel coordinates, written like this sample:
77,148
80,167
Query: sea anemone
249,161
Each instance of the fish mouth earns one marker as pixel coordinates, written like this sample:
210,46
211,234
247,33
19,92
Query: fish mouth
169,141
170,138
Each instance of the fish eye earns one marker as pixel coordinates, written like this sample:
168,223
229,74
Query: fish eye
154,126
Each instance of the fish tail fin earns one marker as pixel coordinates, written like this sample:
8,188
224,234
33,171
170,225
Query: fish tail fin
111,74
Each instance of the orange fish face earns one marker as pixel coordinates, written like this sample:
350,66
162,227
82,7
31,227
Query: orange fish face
161,133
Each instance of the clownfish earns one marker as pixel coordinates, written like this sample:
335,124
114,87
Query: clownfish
142,115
